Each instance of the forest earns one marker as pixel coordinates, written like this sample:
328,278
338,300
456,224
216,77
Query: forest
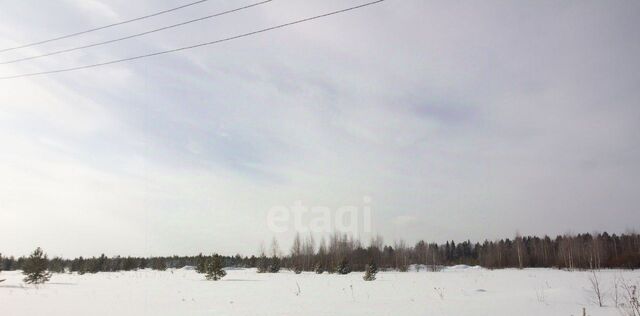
342,254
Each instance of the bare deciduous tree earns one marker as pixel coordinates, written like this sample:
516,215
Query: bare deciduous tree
519,244
595,288
631,305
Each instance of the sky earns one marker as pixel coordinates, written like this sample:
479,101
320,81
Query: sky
445,119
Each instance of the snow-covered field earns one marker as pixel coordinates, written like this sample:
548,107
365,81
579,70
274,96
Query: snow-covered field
455,291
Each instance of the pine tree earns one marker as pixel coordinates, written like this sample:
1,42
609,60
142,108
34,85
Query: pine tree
343,266
201,264
158,264
35,268
79,265
263,264
274,266
370,271
214,269
57,265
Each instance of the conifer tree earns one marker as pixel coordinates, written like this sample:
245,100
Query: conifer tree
158,264
343,266
35,268
274,266
214,268
201,263
56,265
262,264
370,271
80,266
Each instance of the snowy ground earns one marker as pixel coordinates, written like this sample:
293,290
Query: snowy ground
456,291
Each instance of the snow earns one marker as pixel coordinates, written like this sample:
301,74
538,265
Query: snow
456,291
461,267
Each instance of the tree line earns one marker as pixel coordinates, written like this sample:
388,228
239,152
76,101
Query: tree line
340,253
581,251
103,263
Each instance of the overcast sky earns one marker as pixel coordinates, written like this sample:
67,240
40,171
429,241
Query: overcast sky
458,119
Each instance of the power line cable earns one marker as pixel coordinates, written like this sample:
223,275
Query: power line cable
132,36
192,46
102,27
